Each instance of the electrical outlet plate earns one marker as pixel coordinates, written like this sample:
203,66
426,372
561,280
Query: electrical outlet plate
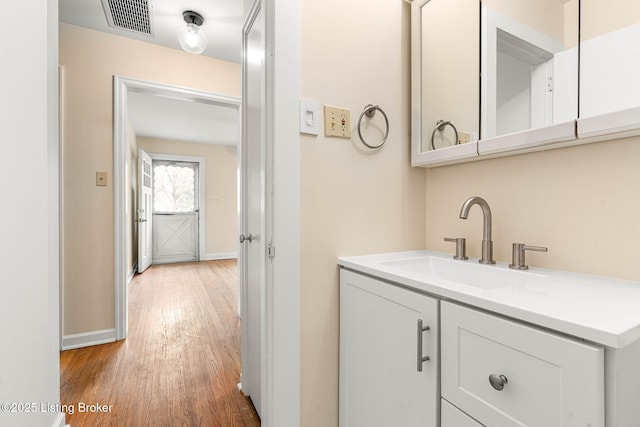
464,137
337,122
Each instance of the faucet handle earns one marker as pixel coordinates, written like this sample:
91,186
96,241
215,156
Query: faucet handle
517,255
461,247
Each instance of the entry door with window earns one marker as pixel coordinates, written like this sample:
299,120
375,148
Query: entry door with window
175,212
144,211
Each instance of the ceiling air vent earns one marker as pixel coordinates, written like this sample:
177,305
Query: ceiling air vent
129,15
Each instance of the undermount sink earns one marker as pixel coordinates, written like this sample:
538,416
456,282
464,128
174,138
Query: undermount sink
595,308
468,273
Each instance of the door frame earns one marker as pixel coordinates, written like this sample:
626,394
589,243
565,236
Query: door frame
121,87
200,161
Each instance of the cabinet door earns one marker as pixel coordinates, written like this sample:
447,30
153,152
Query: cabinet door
381,381
503,373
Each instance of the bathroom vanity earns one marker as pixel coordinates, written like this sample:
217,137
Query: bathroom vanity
426,340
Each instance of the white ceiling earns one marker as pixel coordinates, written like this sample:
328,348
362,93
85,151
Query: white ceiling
166,118
222,22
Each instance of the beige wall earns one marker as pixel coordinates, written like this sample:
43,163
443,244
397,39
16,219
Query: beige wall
555,18
571,23
546,16
353,200
221,195
90,60
600,17
581,202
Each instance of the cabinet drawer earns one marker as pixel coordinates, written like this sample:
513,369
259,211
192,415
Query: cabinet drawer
453,417
548,380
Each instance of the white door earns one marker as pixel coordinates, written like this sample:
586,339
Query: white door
144,212
252,253
175,211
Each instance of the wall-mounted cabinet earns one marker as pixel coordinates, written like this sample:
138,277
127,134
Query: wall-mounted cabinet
609,69
495,78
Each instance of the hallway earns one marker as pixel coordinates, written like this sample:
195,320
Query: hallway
179,365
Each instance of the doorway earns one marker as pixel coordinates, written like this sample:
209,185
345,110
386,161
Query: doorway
281,308
123,87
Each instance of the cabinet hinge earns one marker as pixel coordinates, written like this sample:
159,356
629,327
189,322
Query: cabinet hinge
271,251
549,84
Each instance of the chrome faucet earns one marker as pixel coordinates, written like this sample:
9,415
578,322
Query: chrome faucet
487,244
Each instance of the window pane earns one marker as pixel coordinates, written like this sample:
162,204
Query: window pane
173,188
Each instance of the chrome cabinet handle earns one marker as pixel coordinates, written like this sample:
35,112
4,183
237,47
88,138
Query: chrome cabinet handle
421,358
244,238
498,381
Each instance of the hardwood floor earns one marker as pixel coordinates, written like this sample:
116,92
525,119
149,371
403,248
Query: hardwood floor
179,365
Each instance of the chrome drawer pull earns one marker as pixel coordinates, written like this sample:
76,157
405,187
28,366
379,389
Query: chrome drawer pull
498,381
421,358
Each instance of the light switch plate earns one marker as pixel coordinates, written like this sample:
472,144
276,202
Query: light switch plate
310,119
101,179
337,122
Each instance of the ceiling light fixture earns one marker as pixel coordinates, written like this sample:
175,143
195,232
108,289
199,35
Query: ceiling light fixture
192,38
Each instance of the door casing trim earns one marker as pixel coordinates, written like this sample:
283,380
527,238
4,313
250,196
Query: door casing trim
121,87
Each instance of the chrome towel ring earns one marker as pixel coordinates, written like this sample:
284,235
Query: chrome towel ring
440,125
370,111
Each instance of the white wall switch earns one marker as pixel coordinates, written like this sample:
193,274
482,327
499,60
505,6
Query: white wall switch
337,122
310,117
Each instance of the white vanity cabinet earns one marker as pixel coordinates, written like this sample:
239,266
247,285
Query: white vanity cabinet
541,348
504,373
385,379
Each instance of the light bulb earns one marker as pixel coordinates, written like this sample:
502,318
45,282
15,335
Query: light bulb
192,38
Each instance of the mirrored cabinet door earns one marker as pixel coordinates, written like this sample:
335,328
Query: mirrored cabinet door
445,78
609,67
529,65
539,74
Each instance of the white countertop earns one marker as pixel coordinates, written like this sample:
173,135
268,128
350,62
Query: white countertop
598,309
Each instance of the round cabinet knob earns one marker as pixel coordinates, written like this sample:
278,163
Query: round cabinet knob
498,381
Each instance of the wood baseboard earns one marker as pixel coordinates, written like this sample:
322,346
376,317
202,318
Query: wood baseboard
87,339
